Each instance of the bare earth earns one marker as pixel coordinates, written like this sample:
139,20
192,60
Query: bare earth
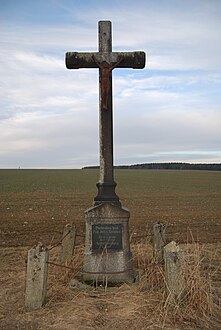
35,206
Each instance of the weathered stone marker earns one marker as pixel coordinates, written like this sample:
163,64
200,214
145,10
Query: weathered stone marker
68,244
159,241
107,250
175,281
36,277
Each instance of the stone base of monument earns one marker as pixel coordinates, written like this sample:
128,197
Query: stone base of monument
107,256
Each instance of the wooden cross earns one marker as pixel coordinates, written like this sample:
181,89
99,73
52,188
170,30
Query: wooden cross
106,61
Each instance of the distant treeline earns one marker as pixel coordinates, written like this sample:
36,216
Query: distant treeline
166,166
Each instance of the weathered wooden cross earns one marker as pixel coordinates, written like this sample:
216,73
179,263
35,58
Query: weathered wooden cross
106,61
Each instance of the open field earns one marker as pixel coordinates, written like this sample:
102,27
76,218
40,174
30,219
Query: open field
36,204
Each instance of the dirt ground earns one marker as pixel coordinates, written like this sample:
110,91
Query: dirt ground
41,216
36,211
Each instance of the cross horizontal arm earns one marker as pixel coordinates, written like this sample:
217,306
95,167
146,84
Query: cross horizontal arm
134,60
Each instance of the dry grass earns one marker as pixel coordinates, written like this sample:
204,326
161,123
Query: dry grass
141,305
201,306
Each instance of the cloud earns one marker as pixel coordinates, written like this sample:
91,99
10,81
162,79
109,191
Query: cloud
50,138
165,134
49,115
175,36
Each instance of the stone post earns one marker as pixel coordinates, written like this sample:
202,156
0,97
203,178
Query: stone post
36,277
68,244
175,281
159,241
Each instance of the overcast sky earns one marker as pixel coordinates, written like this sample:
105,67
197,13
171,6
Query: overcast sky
169,111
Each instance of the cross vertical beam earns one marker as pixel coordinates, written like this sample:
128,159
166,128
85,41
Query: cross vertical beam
106,185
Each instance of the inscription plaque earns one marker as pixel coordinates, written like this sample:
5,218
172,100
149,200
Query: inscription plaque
107,236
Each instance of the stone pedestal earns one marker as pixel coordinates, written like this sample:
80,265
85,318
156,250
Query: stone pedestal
107,254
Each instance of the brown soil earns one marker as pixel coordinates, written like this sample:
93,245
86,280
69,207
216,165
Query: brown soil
28,217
